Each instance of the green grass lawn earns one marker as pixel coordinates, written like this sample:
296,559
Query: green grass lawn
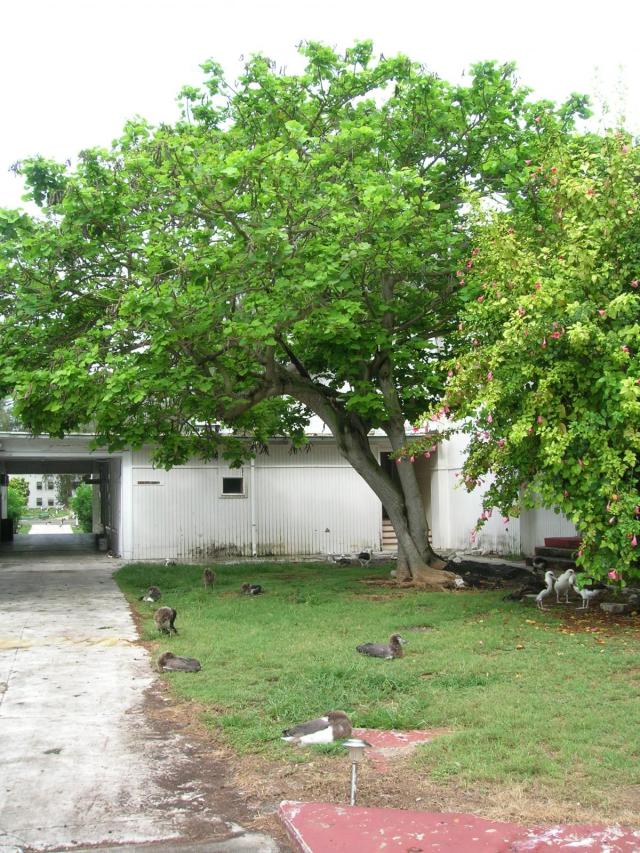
524,699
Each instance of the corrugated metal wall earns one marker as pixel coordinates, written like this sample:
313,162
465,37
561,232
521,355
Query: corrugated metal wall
311,502
111,506
455,512
537,524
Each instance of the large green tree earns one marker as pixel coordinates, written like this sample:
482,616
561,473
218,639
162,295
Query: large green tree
549,388
288,247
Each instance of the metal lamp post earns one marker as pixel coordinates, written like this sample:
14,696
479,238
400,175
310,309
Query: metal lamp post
356,749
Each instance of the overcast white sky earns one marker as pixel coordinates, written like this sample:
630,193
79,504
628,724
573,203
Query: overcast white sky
72,71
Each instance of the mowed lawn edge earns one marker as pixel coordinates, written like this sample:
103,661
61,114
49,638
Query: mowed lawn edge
525,698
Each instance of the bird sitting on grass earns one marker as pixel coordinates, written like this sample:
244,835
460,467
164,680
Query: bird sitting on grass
335,725
549,579
152,594
380,650
564,584
168,662
165,618
251,589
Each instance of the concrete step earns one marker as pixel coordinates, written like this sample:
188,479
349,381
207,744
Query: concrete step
554,563
545,551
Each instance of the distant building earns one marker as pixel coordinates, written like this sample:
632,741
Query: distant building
42,491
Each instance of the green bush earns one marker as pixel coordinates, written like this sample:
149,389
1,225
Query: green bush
82,505
16,502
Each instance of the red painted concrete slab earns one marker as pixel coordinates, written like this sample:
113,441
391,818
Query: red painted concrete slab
386,745
324,827
589,838
330,828
396,740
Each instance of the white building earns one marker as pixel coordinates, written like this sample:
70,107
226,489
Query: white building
43,493
307,503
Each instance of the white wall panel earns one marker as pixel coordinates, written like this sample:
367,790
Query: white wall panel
538,524
311,502
455,512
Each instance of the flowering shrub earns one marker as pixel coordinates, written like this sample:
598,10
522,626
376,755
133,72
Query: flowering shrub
548,381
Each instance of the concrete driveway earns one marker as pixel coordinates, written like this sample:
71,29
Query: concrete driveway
84,759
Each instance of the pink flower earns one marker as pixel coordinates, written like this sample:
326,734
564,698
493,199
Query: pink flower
635,283
527,162
624,348
501,442
637,510
602,312
521,311
475,252
489,418
427,455
480,299
434,447
613,575
398,460
634,541
450,373
544,343
412,459
556,335
539,419
459,273
489,376
505,519
553,170
538,285
566,493
469,265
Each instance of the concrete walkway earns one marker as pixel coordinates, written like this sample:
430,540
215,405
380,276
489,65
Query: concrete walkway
83,763
45,530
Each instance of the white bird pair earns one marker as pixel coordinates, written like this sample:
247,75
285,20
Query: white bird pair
562,585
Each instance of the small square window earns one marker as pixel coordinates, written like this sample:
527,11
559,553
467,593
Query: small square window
50,501
233,485
50,485
38,501
39,484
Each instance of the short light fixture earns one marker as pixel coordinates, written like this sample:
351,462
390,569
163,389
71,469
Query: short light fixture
356,749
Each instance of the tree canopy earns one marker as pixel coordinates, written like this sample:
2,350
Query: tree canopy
549,386
288,247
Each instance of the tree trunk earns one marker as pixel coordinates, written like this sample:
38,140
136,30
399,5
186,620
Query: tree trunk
403,503
406,513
